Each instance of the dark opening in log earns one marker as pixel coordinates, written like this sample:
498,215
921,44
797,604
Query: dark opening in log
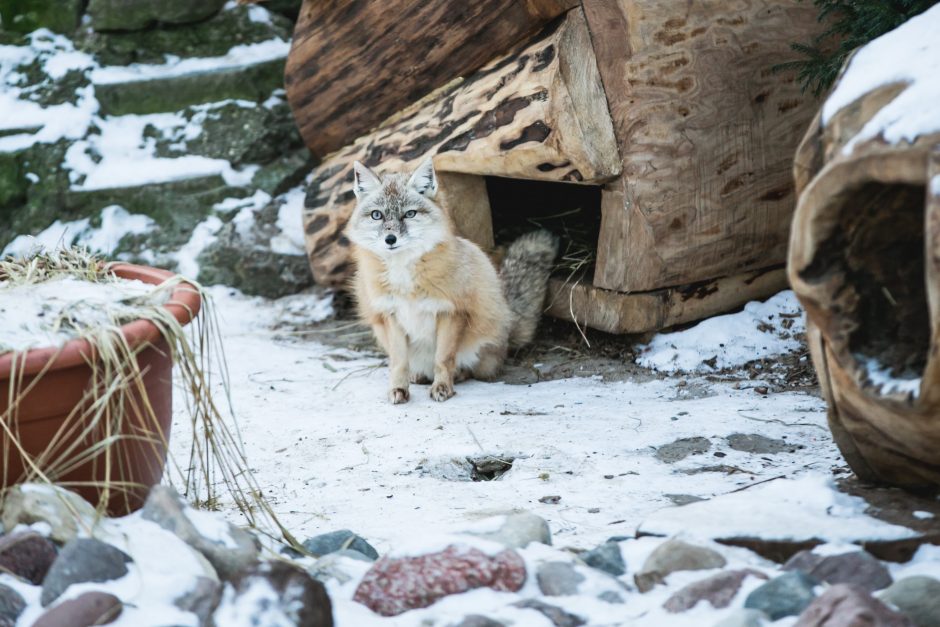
572,212
877,246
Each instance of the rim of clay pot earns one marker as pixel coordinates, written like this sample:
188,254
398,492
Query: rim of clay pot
184,304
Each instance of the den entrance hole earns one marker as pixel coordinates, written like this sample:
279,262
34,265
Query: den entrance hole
570,211
878,246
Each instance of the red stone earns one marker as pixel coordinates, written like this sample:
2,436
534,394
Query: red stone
397,584
26,554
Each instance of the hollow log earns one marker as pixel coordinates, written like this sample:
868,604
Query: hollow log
355,62
865,262
706,130
537,113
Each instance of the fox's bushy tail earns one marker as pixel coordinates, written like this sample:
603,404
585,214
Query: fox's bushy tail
525,271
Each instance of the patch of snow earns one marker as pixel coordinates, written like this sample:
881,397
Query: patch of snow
935,185
116,223
784,509
57,235
238,56
121,156
290,241
732,339
43,314
259,14
71,121
922,515
256,201
910,54
203,235
882,378
211,526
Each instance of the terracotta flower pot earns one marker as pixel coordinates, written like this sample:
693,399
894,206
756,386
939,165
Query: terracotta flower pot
53,391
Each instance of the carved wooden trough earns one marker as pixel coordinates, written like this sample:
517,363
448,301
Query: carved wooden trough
865,262
667,114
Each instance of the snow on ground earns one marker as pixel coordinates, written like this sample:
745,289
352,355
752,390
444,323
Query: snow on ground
910,54
761,329
331,453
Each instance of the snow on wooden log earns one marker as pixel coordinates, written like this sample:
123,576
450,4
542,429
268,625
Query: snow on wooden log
537,113
355,62
865,255
707,132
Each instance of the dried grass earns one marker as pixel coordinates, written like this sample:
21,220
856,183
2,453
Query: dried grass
116,414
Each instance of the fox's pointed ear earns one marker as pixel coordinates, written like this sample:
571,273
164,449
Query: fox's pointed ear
424,180
365,180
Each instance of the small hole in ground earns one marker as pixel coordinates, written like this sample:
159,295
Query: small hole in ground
570,211
489,467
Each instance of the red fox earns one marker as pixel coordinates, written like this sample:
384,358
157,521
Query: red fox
437,305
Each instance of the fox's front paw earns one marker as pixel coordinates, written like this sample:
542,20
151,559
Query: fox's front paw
442,391
398,396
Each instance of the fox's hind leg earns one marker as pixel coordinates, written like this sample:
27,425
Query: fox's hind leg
490,363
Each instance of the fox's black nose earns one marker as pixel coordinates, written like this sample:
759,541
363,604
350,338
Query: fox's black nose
390,239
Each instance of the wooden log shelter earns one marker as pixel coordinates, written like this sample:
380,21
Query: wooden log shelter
864,261
670,110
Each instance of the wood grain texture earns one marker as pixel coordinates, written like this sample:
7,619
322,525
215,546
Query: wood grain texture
355,62
641,312
537,113
864,261
706,131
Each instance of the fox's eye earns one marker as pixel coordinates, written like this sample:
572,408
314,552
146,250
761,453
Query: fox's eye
411,214
377,215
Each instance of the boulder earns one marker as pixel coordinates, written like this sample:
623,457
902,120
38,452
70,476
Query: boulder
918,597
334,541
275,593
846,605
65,512
855,567
83,560
557,616
718,590
25,16
606,557
558,579
85,610
518,530
397,584
786,595
27,555
123,15
12,605
209,38
228,548
672,556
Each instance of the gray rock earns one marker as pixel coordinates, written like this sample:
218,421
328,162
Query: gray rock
65,512
609,596
27,555
558,616
123,15
682,448
718,590
917,597
478,620
201,600
60,16
85,610
758,444
275,587
856,567
334,541
11,605
845,605
684,499
606,557
673,556
229,550
519,530
786,595
558,579
83,560
743,618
